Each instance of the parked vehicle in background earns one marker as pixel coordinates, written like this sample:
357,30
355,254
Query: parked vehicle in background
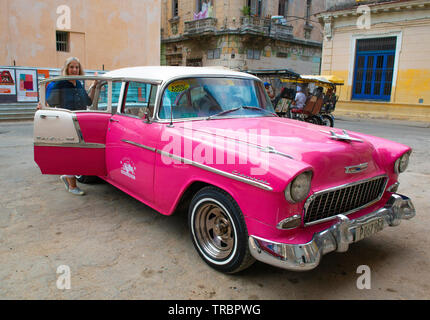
329,94
256,186
320,90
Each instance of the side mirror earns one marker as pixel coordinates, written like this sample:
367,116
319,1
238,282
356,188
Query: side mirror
146,117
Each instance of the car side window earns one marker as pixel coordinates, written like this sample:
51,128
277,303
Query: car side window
103,96
139,98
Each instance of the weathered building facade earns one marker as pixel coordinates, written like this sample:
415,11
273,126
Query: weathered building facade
37,36
103,34
380,49
242,34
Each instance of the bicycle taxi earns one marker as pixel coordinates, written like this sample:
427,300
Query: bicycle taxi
321,91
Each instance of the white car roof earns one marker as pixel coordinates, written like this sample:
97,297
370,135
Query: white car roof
164,73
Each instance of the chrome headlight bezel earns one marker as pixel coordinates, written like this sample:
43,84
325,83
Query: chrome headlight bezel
298,189
401,163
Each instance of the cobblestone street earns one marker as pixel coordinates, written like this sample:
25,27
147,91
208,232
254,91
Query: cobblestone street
118,248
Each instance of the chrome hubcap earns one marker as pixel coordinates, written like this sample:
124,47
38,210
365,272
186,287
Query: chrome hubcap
213,230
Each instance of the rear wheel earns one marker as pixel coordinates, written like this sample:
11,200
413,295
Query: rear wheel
218,231
87,179
315,120
328,120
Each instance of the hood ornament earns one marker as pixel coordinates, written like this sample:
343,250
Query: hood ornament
356,169
342,137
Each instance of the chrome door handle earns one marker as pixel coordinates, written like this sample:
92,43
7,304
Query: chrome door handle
113,120
44,116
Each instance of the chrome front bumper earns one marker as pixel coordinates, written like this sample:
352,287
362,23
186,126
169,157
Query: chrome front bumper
303,257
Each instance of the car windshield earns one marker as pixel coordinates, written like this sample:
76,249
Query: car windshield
215,98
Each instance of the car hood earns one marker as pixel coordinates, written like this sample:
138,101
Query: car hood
299,141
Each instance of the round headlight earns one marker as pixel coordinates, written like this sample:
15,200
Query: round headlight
299,188
401,163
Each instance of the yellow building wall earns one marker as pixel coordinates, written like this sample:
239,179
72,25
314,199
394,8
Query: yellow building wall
410,97
103,33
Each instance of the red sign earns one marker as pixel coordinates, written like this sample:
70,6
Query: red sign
6,79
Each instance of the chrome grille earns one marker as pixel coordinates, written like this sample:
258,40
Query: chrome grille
343,200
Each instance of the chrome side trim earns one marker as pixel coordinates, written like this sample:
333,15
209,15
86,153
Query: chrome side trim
90,111
202,166
313,196
393,188
217,171
71,145
78,128
290,222
139,145
307,256
235,172
271,149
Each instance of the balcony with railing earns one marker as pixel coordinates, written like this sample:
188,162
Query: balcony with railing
281,31
254,25
200,27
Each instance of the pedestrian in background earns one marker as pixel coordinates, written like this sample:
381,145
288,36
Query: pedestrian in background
300,99
269,90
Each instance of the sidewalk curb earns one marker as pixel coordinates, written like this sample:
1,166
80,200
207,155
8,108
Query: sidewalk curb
396,122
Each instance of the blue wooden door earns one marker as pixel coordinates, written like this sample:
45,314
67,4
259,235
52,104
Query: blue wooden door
373,76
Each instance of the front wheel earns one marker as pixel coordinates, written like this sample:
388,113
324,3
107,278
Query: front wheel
218,231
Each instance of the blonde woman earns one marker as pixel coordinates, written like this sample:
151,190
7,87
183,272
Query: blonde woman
71,95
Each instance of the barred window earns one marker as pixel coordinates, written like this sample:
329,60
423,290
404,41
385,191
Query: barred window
308,9
62,40
376,44
175,8
256,7
253,54
283,8
214,53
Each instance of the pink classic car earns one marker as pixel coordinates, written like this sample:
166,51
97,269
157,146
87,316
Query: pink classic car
256,186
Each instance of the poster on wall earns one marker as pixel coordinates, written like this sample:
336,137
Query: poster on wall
7,82
27,85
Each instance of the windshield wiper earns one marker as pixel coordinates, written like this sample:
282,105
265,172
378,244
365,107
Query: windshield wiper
223,113
238,108
259,109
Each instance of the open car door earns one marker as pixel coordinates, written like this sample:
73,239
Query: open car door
73,142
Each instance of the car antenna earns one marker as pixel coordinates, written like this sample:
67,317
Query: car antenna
171,118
